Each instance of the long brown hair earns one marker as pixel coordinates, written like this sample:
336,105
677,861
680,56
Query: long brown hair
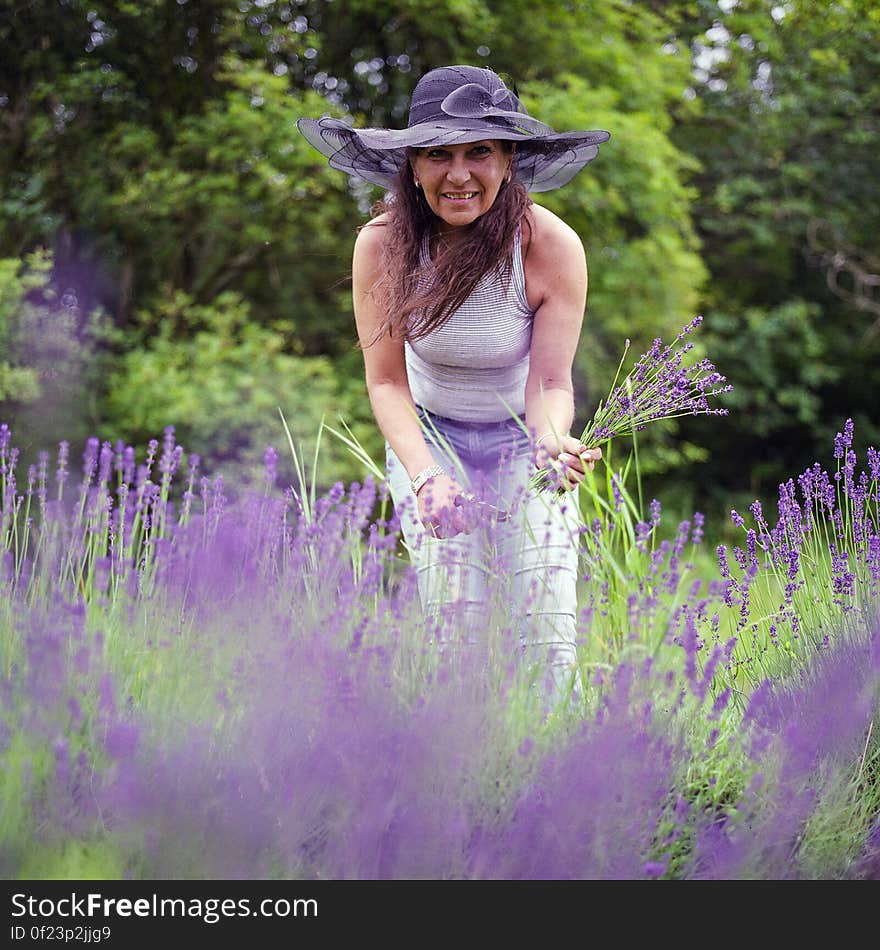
417,301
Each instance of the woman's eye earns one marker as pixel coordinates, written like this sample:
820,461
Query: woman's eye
481,150
436,153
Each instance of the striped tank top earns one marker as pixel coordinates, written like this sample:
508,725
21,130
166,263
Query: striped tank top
475,366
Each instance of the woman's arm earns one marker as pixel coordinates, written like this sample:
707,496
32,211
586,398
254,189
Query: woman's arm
386,378
556,279
384,364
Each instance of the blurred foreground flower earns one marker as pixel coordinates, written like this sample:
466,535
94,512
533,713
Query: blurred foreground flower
659,386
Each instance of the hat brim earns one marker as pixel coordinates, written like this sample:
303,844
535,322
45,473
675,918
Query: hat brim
544,159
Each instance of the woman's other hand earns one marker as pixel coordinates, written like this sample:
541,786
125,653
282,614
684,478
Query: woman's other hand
568,456
438,508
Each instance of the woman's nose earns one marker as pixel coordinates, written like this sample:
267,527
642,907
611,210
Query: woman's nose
458,172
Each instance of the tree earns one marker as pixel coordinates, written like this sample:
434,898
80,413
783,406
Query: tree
220,379
786,135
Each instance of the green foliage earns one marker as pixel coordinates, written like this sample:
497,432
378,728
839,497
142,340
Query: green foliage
609,43
220,379
788,221
778,397
237,200
72,860
19,382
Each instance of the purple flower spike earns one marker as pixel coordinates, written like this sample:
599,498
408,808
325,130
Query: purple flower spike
660,386
843,440
90,459
270,465
63,456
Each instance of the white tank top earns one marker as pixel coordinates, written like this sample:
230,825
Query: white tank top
475,366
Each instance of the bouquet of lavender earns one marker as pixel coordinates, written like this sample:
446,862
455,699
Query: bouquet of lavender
659,386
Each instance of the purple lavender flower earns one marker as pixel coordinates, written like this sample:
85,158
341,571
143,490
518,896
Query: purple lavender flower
5,438
270,466
681,538
61,471
643,533
616,491
42,475
843,441
90,459
152,448
128,466
170,458
842,579
720,704
872,558
105,463
312,703
721,552
874,463
659,386
121,740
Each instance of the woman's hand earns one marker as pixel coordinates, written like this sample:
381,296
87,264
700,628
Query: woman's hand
568,456
438,510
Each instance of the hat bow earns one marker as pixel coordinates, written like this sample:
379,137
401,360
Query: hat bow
473,101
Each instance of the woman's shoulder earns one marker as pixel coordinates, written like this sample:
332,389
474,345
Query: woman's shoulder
370,241
548,235
548,239
374,231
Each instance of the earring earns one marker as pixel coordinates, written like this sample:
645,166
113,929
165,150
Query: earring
418,184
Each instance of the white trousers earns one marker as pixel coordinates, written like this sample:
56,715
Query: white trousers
508,581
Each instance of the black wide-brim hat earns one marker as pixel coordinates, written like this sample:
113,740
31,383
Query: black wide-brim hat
449,106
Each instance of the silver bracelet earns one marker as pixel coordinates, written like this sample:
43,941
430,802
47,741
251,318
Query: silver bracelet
426,473
547,435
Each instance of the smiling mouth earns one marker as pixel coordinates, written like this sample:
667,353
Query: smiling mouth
458,195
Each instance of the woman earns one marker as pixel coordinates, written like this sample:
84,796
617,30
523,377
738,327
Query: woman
469,301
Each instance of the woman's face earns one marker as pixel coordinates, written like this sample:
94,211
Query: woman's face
461,182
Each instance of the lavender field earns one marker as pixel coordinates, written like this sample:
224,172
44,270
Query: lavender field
230,682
